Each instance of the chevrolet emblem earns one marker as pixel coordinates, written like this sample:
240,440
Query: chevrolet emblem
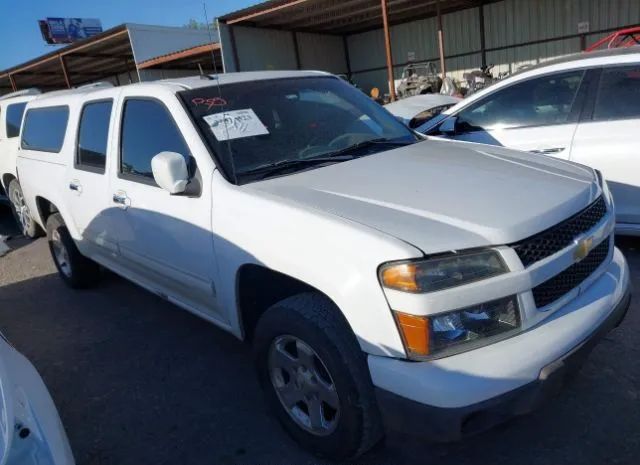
583,249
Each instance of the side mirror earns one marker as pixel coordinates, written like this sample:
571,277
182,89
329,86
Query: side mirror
170,172
448,126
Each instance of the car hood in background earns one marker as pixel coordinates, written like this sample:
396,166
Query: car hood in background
409,107
442,195
25,401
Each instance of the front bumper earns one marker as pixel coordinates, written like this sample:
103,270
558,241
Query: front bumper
449,398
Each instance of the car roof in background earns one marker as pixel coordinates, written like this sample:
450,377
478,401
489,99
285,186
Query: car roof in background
578,57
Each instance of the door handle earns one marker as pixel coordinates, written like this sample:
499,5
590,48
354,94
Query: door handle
75,186
122,200
549,151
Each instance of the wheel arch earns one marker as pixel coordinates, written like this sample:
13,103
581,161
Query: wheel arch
6,180
259,287
45,208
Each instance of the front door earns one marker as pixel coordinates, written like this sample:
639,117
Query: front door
537,115
609,139
164,240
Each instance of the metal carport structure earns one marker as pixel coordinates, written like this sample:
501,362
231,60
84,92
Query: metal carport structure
115,55
372,40
335,19
100,57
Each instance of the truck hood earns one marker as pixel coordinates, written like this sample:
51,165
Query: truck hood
442,195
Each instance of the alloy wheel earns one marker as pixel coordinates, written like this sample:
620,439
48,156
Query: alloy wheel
22,211
303,385
60,254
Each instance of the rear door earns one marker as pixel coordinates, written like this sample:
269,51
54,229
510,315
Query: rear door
87,184
165,240
538,115
608,137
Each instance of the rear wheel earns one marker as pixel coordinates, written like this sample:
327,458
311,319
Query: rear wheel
75,269
21,212
315,377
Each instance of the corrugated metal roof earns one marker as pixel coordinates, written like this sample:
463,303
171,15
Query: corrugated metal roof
180,55
76,46
337,16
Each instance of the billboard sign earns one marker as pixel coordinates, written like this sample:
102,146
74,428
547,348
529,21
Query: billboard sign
68,30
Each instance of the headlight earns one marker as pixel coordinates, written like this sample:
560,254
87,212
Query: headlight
427,337
442,273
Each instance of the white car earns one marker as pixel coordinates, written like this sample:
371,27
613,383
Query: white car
584,108
11,111
383,280
417,110
30,429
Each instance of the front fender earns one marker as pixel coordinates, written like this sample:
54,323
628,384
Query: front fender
338,257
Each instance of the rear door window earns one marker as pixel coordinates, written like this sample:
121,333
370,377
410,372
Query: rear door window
618,94
147,129
540,101
44,129
93,135
14,118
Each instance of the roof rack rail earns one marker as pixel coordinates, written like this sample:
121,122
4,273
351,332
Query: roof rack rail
22,93
209,77
95,85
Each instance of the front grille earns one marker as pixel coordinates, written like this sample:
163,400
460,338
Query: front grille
554,288
556,238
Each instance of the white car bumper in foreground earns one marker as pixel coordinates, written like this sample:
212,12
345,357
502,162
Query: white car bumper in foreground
450,397
31,432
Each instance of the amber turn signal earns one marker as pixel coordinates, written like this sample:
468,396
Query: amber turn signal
415,332
400,277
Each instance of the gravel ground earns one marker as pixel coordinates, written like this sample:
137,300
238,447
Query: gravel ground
138,381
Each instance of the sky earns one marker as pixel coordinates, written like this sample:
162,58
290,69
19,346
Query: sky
20,38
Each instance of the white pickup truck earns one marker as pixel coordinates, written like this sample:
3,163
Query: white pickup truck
383,279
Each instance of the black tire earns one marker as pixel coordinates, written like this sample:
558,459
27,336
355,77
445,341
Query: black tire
316,321
76,270
28,227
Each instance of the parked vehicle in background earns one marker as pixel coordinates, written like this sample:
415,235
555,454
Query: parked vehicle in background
11,111
417,110
584,108
482,78
31,432
478,79
628,37
451,87
383,280
419,79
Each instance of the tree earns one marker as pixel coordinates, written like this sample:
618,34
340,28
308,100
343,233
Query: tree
194,24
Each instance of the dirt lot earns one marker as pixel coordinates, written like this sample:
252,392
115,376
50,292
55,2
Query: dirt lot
138,381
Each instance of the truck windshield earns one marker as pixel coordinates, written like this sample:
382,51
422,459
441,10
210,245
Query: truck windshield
265,128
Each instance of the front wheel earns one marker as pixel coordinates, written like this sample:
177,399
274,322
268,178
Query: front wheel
75,269
315,377
28,227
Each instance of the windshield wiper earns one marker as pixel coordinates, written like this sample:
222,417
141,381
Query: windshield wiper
367,143
284,165
344,154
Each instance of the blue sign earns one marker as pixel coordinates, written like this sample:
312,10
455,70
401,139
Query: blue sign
68,30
